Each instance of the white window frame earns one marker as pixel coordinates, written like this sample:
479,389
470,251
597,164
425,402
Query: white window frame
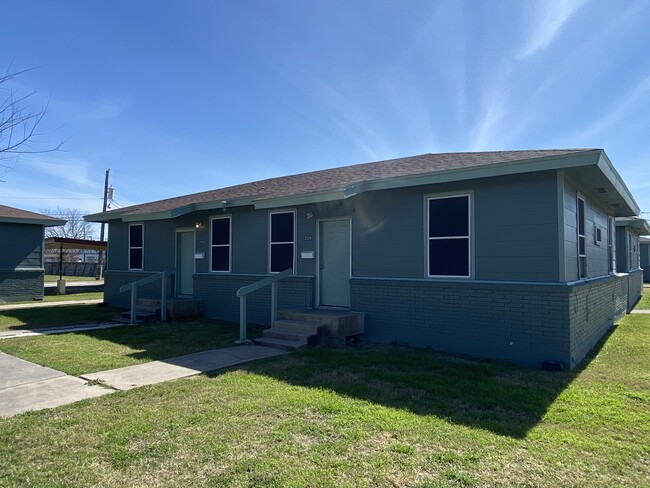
292,211
582,258
136,247
470,264
229,245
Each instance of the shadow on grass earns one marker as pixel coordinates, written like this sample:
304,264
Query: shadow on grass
43,317
505,399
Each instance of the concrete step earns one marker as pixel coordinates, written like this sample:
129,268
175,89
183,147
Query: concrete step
123,320
298,325
287,334
279,343
141,316
148,302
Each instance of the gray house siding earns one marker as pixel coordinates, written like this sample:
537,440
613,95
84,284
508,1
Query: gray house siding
523,302
595,215
645,260
21,261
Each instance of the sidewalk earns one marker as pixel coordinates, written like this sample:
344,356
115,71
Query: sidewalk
26,386
63,303
62,329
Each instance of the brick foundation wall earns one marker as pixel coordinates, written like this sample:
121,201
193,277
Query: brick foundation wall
523,323
113,280
217,293
21,285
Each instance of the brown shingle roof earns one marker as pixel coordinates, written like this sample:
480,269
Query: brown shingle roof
342,177
11,213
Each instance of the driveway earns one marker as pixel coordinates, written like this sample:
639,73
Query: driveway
27,386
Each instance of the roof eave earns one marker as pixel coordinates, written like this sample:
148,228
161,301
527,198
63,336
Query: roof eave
35,221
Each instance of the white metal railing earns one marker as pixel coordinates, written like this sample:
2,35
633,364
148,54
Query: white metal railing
134,293
246,290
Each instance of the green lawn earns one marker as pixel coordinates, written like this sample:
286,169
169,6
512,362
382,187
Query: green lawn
644,303
38,317
355,417
55,278
97,350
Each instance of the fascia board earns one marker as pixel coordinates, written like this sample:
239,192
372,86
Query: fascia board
45,222
606,167
565,161
217,205
306,198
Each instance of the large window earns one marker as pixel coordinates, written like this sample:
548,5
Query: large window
448,236
220,244
136,246
582,240
282,241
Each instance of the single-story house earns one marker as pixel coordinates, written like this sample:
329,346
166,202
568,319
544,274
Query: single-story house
507,255
21,253
644,245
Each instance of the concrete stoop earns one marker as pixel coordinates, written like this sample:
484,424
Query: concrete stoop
311,327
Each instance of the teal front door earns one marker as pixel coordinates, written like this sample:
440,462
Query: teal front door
185,263
334,263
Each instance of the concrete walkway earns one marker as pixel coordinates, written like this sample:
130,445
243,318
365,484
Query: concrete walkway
27,386
640,311
181,367
20,306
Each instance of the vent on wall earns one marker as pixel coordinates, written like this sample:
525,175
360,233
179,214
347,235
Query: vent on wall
601,190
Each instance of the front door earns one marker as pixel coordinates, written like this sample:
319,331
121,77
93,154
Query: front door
185,262
334,263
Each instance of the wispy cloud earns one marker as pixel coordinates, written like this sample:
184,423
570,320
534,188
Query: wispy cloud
104,107
633,100
63,170
549,18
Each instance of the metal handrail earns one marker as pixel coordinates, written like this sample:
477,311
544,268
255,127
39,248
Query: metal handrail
244,291
134,293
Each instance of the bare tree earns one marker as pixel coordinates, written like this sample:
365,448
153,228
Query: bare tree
18,123
75,228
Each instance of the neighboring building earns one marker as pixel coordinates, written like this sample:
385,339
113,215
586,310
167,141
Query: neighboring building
506,255
21,253
644,244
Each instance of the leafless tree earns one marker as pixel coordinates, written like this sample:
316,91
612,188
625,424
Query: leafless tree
75,228
19,123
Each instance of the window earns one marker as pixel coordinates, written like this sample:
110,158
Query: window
582,241
598,235
136,246
282,241
448,236
220,232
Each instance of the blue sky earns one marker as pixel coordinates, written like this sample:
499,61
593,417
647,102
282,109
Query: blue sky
181,97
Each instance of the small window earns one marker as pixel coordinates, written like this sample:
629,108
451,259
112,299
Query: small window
448,236
598,235
220,239
282,241
582,247
136,246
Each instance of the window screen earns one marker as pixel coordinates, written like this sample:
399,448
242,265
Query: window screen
449,236
136,246
220,244
282,241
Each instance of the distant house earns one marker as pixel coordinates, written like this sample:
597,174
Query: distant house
507,255
21,253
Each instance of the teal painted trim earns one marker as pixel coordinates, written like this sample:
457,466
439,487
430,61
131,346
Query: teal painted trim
320,197
586,158
606,166
466,281
560,227
44,222
248,275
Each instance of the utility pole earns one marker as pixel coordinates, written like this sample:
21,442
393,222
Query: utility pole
101,232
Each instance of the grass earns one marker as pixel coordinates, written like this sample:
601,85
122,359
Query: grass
644,303
355,417
55,278
82,352
41,317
